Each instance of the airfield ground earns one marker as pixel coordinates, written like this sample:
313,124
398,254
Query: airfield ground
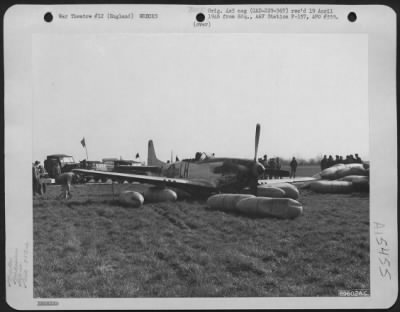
91,246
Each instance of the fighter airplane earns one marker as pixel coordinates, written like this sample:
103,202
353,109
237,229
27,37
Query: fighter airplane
201,176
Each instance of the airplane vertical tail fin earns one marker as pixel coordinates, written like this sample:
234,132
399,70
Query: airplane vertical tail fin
152,159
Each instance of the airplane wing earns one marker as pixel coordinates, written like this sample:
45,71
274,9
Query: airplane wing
184,184
287,180
146,170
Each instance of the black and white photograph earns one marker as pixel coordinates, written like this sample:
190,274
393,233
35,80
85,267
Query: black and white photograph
205,153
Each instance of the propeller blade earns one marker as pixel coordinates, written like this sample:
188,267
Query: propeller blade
257,141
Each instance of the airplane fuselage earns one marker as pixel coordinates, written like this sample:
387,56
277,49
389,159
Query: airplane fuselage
226,174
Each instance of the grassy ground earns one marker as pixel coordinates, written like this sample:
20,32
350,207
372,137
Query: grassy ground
304,171
91,246
307,171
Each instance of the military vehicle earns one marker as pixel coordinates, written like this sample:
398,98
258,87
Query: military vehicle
65,163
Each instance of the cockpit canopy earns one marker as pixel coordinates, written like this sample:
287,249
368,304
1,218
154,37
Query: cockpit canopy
203,156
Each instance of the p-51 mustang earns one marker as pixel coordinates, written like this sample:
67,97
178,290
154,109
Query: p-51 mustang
201,176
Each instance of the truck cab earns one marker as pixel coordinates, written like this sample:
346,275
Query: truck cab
59,163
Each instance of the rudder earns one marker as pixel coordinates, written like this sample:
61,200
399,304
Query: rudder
152,159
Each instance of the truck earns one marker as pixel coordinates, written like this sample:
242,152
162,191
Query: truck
65,163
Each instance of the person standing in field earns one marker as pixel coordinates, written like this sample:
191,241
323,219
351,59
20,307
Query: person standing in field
65,180
293,167
271,167
42,172
36,179
265,164
330,162
278,168
324,163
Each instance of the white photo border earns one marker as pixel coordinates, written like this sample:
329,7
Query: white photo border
21,22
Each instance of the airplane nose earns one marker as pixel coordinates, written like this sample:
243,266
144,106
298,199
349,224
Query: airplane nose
258,169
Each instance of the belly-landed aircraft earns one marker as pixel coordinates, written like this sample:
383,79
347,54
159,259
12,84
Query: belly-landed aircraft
201,176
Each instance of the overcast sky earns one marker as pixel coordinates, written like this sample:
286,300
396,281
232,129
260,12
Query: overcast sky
191,92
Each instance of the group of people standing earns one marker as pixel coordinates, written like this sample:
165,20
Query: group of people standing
273,166
272,163
63,179
327,162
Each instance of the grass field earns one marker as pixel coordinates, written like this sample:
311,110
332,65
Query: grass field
90,246
306,171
